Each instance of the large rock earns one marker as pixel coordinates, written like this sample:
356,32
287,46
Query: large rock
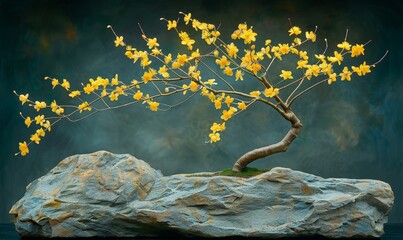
104,194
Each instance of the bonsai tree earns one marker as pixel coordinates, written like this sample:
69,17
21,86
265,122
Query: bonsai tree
187,73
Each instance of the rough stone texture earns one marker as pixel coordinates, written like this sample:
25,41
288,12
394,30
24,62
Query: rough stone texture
85,195
104,194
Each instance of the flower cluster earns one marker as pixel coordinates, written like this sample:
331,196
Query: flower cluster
166,74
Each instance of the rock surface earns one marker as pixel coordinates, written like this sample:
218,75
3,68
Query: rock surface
112,195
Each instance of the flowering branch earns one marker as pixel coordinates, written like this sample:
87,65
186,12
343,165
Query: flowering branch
184,73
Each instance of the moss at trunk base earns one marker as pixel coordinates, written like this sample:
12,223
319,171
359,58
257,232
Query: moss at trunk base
247,172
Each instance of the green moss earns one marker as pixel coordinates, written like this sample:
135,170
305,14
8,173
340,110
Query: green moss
247,172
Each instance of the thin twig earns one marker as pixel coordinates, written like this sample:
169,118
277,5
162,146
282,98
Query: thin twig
306,90
295,90
215,73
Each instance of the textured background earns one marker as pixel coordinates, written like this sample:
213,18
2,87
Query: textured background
351,130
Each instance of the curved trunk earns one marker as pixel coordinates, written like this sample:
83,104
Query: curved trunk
281,146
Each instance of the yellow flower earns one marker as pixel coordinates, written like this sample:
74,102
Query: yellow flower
171,24
217,127
74,94
310,36
121,90
266,51
57,109
228,100
196,24
113,96
302,63
181,59
145,61
326,68
357,50
119,41
297,41
187,18
40,119
232,50
66,84
148,76
115,80
84,107
186,40
138,95
303,55
332,78
129,54
175,65
88,89
271,92
55,82
95,83
357,70
214,137
39,105
295,30
228,71
35,138
344,45
337,58
168,58
242,105
256,67
286,74
195,54
238,75
193,86
320,57
227,114
53,106
365,68
191,69
202,26
23,98
23,148
104,82
163,71
242,26
28,121
104,93
204,91
346,74
211,96
153,106
47,125
152,43
315,70
196,75
222,62
284,48
217,103
40,132
210,82
248,36
255,94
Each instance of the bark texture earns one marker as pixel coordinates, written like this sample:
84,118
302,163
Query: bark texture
281,146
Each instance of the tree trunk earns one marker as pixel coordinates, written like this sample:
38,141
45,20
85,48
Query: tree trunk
281,146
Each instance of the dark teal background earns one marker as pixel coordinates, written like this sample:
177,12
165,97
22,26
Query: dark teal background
351,130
